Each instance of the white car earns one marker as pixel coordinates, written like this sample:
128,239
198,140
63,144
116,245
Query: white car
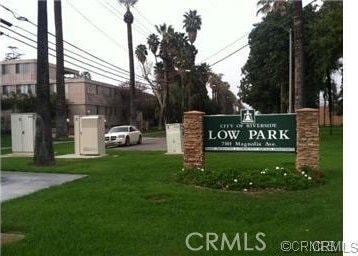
123,135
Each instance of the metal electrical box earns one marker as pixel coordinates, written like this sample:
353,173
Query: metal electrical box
89,135
23,129
174,135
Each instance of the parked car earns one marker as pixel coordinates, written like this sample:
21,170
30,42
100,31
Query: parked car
123,135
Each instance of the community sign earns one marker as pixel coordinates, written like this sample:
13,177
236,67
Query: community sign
250,132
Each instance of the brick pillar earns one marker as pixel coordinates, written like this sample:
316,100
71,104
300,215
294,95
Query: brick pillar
194,139
307,138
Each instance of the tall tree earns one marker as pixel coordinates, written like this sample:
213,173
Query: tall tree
166,52
327,48
265,74
280,6
141,53
192,23
183,61
61,107
266,6
43,153
128,18
153,43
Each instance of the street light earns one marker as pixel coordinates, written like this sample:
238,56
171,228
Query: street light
290,110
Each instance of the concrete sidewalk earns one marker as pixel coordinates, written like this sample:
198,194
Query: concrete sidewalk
18,184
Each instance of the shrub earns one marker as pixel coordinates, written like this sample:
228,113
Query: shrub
278,178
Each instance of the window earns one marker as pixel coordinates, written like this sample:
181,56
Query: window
21,68
6,90
24,68
23,89
5,69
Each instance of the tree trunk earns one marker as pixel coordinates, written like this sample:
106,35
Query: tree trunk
161,114
183,108
128,18
330,100
299,58
43,153
324,109
189,92
61,107
166,108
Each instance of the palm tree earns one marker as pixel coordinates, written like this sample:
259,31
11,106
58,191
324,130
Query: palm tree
267,6
192,23
182,61
43,152
153,43
141,53
166,50
128,18
214,81
61,108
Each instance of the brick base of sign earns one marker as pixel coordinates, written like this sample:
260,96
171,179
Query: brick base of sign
194,139
307,139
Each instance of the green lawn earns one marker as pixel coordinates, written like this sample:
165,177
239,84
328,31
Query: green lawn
130,204
5,140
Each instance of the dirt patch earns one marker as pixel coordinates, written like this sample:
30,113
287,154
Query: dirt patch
7,238
158,199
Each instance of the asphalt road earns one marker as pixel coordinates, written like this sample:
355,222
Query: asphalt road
148,144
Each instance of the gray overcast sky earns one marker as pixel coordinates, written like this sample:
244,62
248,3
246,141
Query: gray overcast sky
223,22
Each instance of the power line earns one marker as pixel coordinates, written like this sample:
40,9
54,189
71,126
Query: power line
143,16
94,25
34,24
75,53
53,55
94,72
135,25
66,55
227,56
84,57
219,51
141,31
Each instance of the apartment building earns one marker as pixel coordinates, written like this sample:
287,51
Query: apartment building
83,96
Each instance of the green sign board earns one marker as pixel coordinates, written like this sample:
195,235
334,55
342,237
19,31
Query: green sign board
250,132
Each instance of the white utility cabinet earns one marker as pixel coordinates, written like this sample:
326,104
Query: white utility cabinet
89,135
174,136
23,129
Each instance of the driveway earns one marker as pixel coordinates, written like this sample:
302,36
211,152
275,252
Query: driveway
18,184
148,144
